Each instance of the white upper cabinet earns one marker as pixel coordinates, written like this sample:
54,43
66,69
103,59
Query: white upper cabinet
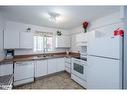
62,41
81,39
26,40
11,36
11,39
16,36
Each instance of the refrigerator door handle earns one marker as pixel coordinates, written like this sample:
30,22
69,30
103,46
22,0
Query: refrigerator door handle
104,57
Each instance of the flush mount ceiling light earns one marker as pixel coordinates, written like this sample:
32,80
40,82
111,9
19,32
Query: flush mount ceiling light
54,17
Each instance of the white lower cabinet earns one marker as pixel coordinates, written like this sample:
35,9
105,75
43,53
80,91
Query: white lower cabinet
52,66
41,68
6,69
23,72
56,65
67,69
60,64
68,65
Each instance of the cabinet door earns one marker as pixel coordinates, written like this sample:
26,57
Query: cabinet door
82,37
52,66
67,69
11,34
11,39
60,64
67,41
6,69
23,70
62,41
26,40
78,38
40,68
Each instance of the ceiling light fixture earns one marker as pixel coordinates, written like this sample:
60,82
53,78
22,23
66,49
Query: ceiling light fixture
53,17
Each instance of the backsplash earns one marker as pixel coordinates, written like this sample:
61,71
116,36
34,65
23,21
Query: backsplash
23,51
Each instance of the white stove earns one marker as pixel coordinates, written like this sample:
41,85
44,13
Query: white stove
79,66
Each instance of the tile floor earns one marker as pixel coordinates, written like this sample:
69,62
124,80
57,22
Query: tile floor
58,81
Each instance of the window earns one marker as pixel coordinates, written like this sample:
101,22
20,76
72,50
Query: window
43,42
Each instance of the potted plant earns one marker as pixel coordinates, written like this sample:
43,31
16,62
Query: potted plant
59,33
85,25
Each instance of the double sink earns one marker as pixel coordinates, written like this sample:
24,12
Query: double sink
44,56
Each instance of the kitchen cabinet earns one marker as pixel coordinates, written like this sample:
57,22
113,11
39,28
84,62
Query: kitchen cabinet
11,39
41,68
6,69
62,41
16,36
56,65
60,64
81,39
11,35
68,65
52,66
23,72
26,40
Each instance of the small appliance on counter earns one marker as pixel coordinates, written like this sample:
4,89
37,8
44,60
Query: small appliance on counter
9,54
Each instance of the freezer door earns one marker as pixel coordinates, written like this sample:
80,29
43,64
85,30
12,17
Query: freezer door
105,46
103,73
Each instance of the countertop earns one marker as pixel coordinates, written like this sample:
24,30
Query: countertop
37,57
42,58
6,80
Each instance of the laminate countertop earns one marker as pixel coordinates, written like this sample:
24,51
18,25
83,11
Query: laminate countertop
42,58
38,57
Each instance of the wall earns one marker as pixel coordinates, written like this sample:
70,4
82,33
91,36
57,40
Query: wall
1,36
106,25
34,29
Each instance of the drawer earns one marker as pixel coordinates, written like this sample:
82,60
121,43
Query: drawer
67,60
68,65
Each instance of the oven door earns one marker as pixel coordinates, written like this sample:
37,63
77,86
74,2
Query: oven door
79,69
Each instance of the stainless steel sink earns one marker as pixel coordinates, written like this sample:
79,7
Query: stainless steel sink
45,56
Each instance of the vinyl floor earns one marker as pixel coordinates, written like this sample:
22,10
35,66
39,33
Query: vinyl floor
59,81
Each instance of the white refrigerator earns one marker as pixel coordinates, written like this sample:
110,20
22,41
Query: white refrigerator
105,55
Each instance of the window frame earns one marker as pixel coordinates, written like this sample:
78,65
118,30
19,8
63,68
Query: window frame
44,36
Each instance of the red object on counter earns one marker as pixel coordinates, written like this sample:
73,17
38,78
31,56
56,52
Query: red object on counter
119,32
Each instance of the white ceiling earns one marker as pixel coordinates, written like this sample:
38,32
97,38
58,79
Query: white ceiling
73,16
